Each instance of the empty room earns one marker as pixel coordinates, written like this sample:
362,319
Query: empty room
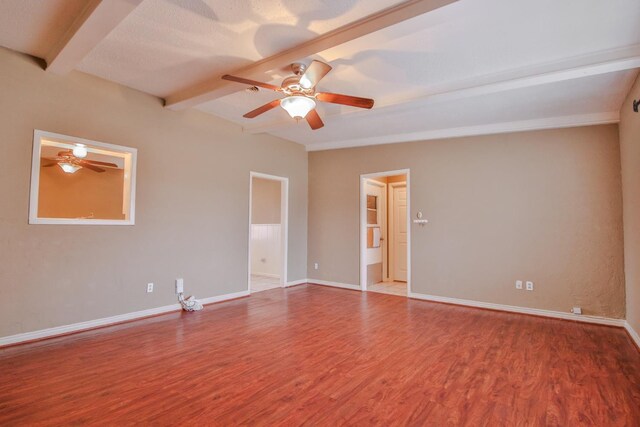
311,212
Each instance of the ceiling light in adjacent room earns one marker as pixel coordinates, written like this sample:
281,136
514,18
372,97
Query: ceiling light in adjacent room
69,167
298,105
80,151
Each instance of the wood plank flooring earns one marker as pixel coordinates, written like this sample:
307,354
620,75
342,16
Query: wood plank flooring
313,355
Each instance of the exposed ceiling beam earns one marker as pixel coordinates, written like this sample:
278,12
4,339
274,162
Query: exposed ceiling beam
488,129
217,88
582,66
97,19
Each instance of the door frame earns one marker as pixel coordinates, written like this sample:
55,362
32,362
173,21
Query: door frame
363,224
284,224
391,237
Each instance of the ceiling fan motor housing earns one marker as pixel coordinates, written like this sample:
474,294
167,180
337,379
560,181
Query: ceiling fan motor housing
298,68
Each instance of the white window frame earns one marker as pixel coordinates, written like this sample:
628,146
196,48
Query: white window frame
38,136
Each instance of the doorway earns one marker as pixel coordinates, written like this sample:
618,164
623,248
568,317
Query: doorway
384,232
268,229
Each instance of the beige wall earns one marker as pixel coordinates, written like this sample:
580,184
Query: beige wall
544,206
630,156
192,204
265,206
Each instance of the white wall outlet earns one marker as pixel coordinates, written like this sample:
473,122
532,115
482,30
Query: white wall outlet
576,310
529,286
149,287
315,266
179,286
518,284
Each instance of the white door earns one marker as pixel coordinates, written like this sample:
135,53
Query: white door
399,267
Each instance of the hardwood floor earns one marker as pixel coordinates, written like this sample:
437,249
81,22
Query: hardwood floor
317,355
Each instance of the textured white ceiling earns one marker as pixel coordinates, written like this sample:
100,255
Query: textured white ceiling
588,95
460,42
164,46
33,26
167,45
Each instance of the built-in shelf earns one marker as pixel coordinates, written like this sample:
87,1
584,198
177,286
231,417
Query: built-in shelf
372,209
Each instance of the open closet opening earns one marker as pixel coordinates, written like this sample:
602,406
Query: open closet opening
267,232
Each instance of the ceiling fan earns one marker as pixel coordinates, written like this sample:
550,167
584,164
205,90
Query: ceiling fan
71,161
300,93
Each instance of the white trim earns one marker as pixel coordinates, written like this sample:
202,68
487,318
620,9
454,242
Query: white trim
284,221
634,335
297,282
224,297
38,135
523,310
363,223
105,321
488,129
334,284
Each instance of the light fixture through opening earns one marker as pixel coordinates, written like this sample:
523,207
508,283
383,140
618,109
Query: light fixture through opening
69,167
80,151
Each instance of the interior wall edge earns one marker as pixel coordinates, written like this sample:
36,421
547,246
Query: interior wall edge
629,130
633,334
521,310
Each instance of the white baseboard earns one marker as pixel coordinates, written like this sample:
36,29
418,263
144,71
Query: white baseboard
224,297
90,324
334,284
634,335
522,310
296,282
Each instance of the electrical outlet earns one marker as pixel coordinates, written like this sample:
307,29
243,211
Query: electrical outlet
179,286
315,266
149,287
529,286
518,284
576,310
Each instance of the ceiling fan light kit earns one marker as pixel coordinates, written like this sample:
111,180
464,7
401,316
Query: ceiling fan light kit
300,94
298,106
72,160
80,151
69,167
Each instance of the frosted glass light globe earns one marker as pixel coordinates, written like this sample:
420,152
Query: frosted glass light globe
298,105
80,151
